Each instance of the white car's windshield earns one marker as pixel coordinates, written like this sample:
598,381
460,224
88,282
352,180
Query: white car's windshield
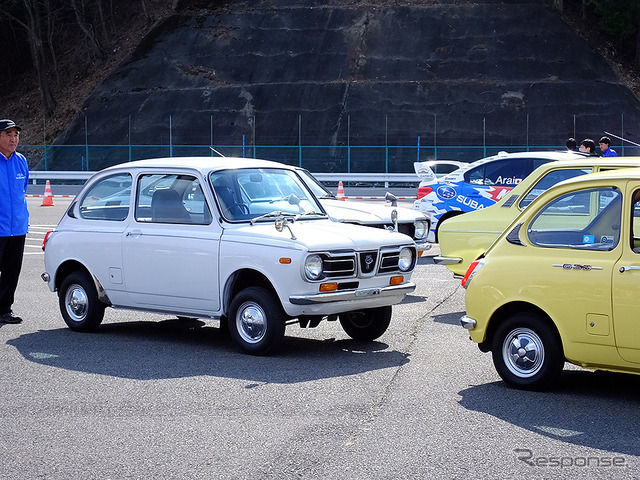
316,187
245,194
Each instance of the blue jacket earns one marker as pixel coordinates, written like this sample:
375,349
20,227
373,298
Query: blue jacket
14,178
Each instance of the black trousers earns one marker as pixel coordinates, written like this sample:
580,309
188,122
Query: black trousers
11,252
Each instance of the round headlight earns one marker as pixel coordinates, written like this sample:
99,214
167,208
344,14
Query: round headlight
421,229
313,267
405,260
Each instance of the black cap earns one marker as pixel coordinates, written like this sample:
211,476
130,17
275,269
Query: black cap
6,124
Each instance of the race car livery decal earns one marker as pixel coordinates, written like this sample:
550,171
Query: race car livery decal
446,192
494,193
449,197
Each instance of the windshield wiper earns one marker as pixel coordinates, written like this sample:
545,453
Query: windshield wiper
275,213
291,216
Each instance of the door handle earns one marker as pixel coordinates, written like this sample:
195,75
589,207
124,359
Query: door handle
624,269
134,233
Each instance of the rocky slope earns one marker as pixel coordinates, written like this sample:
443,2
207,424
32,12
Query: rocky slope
355,73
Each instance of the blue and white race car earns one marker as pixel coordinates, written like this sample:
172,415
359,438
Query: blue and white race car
478,185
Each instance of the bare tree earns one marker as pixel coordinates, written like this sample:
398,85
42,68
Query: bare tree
559,5
87,28
33,28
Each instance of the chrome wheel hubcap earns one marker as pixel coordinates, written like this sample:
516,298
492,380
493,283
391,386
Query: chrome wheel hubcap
523,352
251,322
77,303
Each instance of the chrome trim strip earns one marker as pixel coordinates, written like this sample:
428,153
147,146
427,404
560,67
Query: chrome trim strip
446,260
497,232
349,295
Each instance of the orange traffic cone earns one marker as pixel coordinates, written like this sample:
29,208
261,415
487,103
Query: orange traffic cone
340,195
47,201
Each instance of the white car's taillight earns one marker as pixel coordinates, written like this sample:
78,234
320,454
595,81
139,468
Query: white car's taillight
44,242
471,271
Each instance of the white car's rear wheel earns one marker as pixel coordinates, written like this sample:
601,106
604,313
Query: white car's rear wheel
79,304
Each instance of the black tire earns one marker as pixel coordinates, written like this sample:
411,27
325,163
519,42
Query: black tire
366,324
527,352
79,304
256,320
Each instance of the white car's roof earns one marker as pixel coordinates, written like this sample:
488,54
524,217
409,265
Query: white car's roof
551,156
200,163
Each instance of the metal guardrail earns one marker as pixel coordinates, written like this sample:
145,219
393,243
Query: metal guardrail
323,177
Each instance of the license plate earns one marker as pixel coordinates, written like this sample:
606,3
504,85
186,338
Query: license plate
369,292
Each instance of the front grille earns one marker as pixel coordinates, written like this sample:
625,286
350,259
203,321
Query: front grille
389,262
407,229
368,261
360,264
339,266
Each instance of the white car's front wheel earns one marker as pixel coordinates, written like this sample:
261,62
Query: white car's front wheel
256,320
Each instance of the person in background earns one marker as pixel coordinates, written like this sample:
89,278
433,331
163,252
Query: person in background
571,145
588,146
605,146
14,216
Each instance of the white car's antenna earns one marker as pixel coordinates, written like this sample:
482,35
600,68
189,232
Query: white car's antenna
216,151
623,139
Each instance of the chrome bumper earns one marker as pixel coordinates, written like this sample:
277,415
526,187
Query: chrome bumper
423,245
350,295
468,322
446,260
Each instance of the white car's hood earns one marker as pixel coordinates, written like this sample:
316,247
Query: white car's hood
367,212
317,235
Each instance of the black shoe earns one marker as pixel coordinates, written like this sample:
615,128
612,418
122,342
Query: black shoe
9,317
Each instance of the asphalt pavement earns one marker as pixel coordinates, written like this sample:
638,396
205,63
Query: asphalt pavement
150,396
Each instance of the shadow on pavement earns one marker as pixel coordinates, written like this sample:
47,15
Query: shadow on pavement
600,410
182,348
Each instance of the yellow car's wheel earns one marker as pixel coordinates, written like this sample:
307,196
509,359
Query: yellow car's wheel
527,352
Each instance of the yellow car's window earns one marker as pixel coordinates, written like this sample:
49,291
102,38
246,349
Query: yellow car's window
549,180
587,219
635,225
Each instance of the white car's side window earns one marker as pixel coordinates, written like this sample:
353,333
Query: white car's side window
107,199
588,219
171,198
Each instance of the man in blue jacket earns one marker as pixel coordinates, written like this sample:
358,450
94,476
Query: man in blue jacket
14,216
605,147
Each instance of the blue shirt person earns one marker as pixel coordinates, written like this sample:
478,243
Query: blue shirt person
14,216
607,151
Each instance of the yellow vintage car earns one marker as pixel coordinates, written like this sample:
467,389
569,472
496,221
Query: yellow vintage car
562,283
465,237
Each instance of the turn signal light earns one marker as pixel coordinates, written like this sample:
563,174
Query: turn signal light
285,260
396,280
328,287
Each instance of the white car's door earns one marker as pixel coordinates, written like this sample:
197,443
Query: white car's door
170,251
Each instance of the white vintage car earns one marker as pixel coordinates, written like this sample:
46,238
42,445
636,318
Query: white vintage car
239,240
